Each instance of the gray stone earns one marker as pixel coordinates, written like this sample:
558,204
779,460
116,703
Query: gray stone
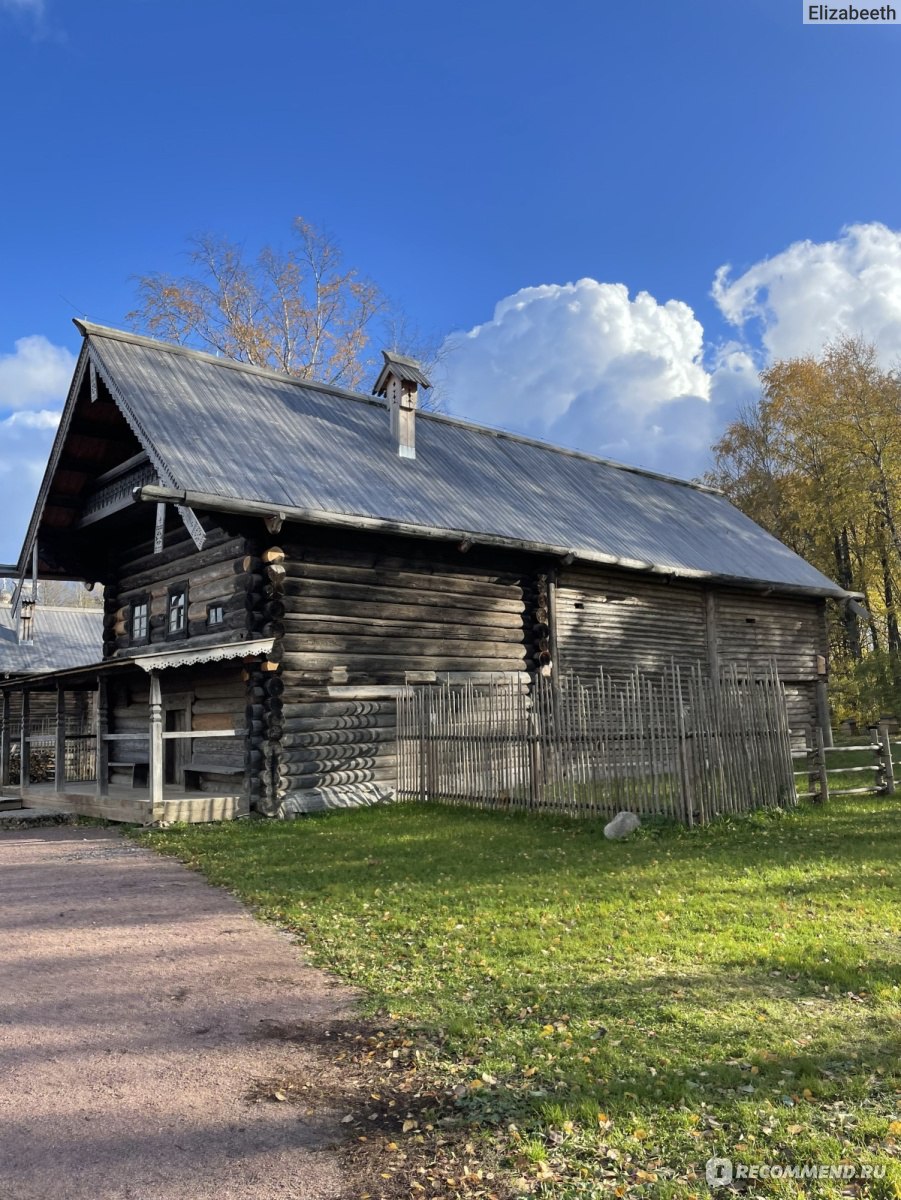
621,826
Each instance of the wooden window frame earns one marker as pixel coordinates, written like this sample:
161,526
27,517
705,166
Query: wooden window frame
211,624
144,639
176,590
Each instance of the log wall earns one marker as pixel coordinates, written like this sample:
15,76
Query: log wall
359,622
225,572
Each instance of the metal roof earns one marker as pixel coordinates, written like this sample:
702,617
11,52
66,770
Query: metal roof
244,433
63,638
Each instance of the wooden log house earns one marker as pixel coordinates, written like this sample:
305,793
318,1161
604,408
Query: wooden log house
278,557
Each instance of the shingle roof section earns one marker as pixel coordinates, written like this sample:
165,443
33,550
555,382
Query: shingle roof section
248,434
63,638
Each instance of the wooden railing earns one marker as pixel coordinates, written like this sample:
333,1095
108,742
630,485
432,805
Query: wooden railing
819,772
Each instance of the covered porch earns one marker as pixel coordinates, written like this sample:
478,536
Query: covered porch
65,747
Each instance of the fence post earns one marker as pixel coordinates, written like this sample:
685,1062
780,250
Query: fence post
423,753
820,751
888,767
534,762
687,797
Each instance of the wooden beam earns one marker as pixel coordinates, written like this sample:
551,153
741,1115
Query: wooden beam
713,649
552,621
24,754
5,733
101,718
59,766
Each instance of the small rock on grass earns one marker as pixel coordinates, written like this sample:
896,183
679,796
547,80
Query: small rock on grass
622,825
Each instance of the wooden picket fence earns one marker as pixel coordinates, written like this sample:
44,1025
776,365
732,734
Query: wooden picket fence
675,744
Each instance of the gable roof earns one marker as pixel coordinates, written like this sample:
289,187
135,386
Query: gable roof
236,433
407,369
63,638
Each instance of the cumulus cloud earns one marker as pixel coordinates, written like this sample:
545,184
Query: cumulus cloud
812,292
25,441
34,379
587,365
35,374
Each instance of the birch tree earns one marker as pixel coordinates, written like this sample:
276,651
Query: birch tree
299,310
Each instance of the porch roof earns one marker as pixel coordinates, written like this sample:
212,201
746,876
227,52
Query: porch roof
82,677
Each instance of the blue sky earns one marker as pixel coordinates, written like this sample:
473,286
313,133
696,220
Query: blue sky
477,161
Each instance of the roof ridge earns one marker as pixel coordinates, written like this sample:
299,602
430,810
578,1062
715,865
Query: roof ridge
89,329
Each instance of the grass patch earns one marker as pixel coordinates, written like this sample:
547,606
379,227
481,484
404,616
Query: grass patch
611,1015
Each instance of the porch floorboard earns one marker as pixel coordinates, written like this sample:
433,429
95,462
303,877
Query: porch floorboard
132,805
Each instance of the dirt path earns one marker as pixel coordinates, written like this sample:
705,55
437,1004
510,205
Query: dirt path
133,999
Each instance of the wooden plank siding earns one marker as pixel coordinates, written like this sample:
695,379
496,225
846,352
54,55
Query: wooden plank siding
620,620
791,631
617,620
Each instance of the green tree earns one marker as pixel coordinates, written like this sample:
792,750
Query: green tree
817,461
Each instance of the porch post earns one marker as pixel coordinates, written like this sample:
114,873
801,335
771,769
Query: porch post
156,743
101,728
59,769
24,745
5,733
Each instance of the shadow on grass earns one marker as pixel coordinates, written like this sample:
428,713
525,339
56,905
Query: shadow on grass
762,1022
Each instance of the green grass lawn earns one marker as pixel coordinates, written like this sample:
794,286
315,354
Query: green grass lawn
611,1015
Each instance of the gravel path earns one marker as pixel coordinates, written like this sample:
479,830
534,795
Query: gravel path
133,1004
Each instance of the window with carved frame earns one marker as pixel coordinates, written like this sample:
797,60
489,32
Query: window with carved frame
177,611
139,621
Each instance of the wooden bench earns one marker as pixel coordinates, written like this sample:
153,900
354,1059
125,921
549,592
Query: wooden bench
139,771
208,766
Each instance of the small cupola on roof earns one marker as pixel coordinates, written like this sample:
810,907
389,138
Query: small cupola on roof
399,382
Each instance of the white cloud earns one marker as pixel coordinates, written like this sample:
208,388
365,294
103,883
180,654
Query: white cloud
34,7
586,365
812,292
34,380
35,375
45,418
25,441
